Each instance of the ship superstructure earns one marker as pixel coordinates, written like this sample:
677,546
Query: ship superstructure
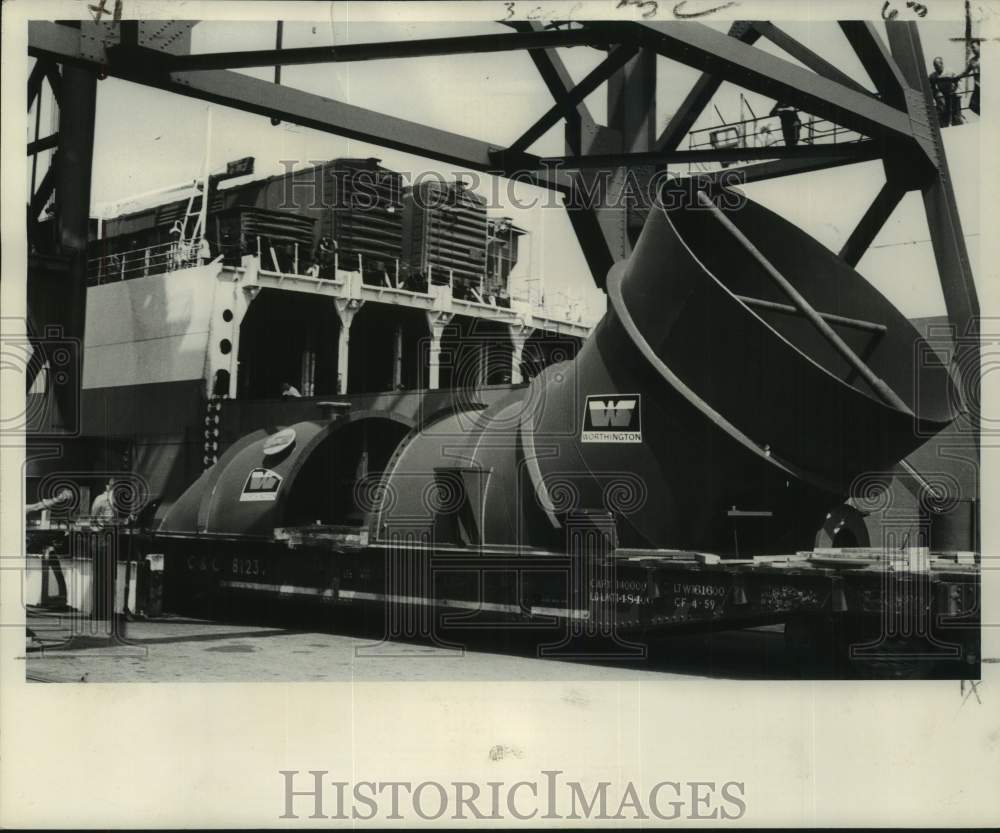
324,282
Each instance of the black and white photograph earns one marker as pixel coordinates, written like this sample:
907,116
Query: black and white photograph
444,414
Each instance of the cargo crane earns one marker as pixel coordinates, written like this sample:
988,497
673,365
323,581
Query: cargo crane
689,467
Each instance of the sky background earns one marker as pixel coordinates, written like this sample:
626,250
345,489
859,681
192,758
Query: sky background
147,139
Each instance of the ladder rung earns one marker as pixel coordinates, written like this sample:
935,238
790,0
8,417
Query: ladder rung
856,323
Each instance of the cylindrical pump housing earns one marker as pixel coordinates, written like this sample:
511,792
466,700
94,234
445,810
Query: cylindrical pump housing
705,412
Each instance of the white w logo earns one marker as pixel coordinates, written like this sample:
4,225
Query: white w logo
259,481
610,413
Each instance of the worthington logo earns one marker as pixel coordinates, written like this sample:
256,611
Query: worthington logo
261,484
613,418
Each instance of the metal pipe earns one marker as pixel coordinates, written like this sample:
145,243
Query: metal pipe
202,227
38,127
887,394
928,487
277,67
857,323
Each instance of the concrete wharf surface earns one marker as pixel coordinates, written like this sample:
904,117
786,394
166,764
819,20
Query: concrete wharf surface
183,649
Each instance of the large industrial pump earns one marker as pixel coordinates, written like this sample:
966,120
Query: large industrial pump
742,379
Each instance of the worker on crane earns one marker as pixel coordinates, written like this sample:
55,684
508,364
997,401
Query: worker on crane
972,69
791,126
944,86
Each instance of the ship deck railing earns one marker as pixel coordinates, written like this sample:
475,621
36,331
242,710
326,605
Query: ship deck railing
143,262
380,280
